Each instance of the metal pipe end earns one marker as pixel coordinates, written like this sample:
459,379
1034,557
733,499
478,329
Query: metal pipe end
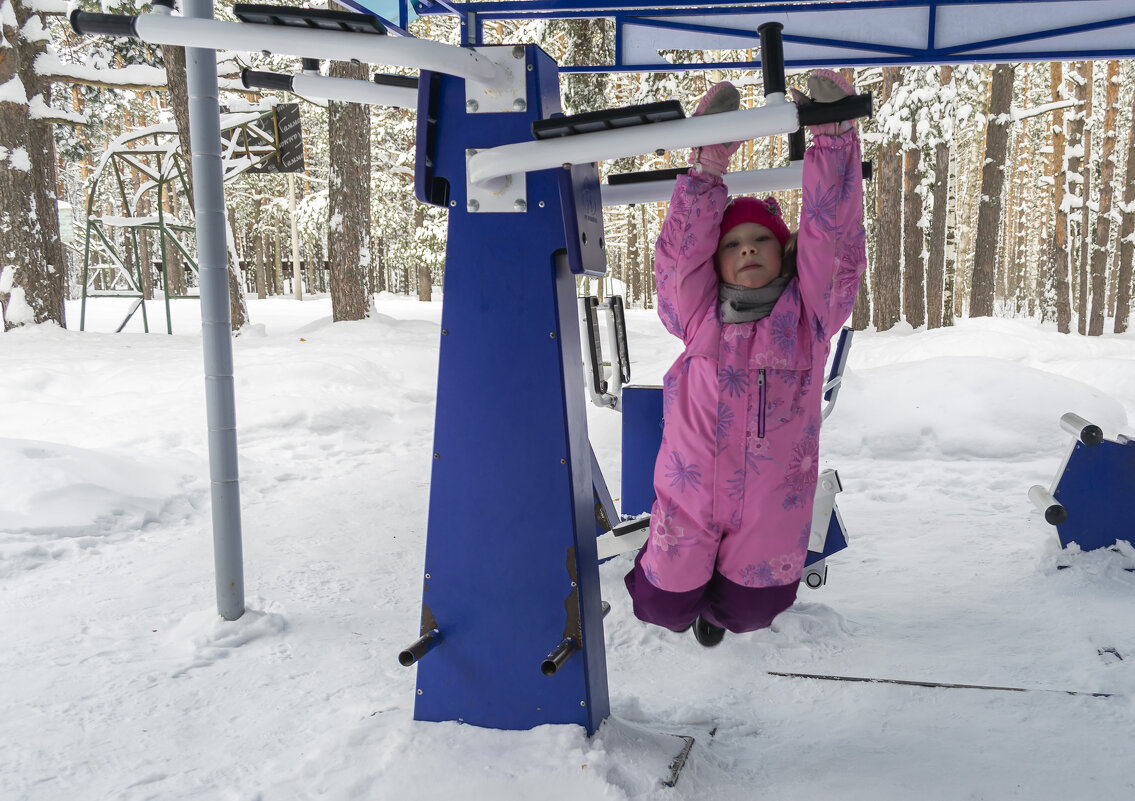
419,648
1055,515
555,660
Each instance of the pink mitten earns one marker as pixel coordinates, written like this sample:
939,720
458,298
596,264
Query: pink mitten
714,159
826,86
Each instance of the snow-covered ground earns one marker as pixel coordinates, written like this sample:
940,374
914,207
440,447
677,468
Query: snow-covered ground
119,681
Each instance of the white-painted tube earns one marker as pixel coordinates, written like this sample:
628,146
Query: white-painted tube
1054,512
350,90
1083,430
732,126
315,43
748,182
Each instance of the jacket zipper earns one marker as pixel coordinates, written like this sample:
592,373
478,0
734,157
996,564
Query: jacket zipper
761,402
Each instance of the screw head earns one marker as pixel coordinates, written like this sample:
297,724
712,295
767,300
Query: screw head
472,105
518,51
472,205
541,204
520,104
453,203
520,205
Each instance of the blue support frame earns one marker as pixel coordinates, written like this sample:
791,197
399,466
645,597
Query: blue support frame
948,35
511,564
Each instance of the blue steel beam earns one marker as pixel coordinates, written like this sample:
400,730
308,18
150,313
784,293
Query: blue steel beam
910,32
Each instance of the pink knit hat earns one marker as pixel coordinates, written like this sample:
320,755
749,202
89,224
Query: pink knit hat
765,211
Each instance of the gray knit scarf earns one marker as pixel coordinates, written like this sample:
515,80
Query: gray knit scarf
740,304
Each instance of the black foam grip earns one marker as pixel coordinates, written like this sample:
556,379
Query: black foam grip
255,79
89,23
848,108
772,58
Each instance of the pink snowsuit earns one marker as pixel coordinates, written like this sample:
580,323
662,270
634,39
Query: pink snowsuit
737,470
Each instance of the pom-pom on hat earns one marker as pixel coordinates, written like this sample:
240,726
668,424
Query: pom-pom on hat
763,211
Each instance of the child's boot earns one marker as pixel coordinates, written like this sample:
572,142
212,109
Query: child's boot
708,634
714,159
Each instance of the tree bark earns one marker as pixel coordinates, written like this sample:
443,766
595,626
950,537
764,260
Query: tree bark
33,267
1126,236
1058,248
1098,256
1085,95
888,249
937,257
914,280
992,182
349,200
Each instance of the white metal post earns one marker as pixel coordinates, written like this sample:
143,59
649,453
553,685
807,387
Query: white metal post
216,321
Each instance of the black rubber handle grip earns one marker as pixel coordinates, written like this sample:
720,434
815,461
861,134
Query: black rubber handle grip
89,23
256,79
848,108
772,58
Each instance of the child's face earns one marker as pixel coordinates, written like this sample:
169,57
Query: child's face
748,255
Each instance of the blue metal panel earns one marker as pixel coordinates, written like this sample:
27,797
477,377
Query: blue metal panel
583,219
836,539
1096,489
642,437
510,565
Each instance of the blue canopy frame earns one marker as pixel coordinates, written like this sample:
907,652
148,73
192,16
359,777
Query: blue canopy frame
817,33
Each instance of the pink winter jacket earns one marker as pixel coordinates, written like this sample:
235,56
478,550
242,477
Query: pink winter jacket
736,473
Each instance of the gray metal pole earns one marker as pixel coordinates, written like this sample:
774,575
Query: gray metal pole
216,322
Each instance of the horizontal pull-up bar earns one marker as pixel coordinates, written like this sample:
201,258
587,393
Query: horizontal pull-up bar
493,163
774,179
746,182
346,90
164,29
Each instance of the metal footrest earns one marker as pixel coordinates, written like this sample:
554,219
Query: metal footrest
608,119
321,18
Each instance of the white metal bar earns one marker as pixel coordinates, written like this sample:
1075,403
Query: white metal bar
315,43
495,162
350,90
748,182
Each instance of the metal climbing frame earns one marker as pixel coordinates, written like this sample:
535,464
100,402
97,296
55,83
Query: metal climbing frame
153,156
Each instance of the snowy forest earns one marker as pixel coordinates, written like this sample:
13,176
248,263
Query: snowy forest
998,190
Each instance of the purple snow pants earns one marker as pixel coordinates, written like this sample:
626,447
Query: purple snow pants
722,602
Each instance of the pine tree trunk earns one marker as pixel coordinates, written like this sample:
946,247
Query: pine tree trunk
1058,249
1085,195
1098,255
936,258
348,129
34,263
1077,160
887,283
992,183
914,281
1126,236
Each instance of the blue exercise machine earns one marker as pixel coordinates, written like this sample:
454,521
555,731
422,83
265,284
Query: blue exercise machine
1082,501
511,632
511,629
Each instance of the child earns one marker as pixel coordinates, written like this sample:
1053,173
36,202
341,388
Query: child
737,470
